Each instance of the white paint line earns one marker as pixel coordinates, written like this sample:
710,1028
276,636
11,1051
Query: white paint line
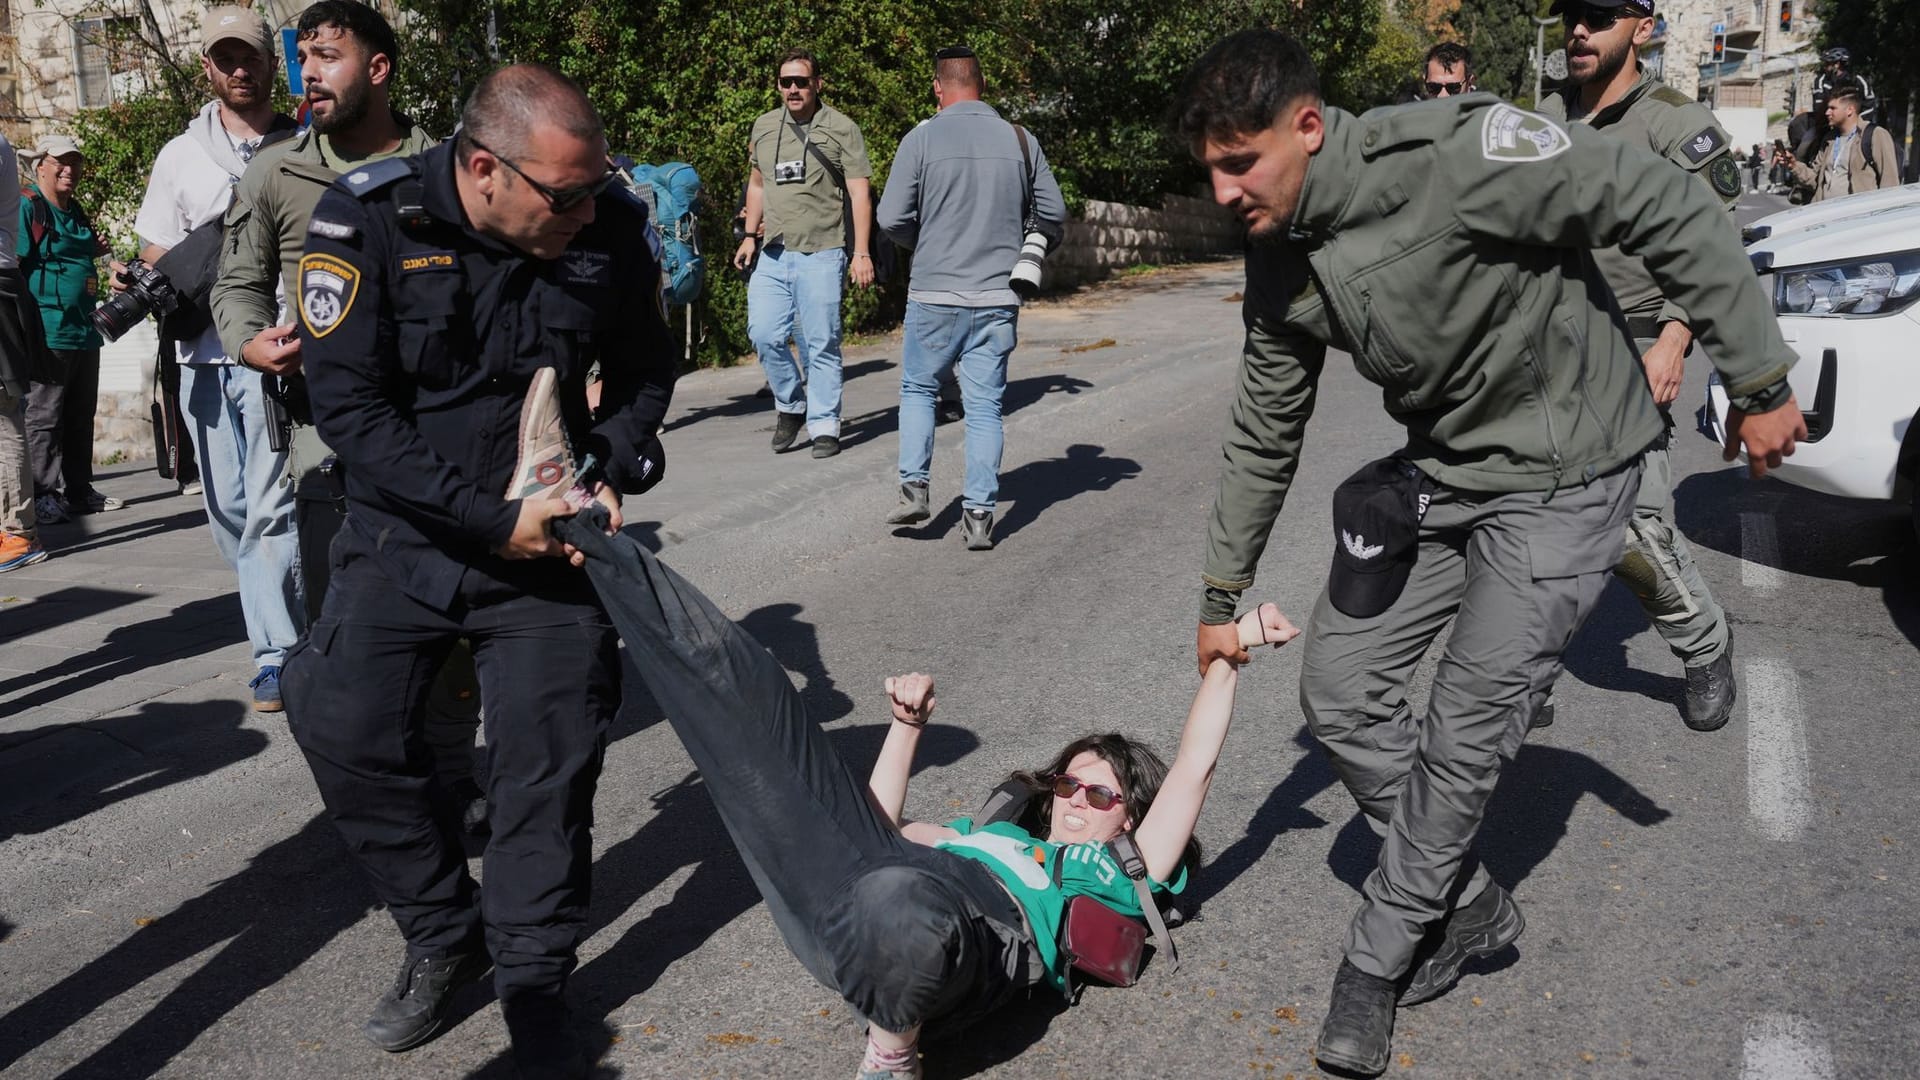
1777,795
1784,1047
1760,554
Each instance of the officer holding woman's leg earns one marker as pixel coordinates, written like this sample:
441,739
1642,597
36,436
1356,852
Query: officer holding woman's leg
450,307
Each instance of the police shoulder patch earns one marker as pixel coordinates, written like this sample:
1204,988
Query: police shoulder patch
328,286
1704,145
1724,175
1511,134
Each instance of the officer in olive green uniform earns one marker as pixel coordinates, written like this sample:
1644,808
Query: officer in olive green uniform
1610,92
1446,246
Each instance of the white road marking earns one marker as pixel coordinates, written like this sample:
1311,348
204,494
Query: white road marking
1780,1046
1777,795
1760,554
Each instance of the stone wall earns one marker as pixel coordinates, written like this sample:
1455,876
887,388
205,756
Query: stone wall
1110,236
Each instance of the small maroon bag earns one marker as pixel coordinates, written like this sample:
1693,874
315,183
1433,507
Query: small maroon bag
1101,943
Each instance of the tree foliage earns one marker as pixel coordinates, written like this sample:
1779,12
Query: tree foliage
1502,35
684,80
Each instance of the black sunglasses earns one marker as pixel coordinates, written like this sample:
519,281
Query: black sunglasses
1598,19
559,200
1098,796
1434,88
794,82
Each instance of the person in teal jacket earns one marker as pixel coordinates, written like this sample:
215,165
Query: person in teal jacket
59,251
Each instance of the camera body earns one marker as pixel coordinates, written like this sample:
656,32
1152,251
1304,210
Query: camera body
1024,279
148,292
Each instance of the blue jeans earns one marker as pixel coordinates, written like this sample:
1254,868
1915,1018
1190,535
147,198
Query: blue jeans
978,341
792,295
249,504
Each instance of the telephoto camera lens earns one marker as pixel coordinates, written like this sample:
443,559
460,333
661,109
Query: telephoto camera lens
1025,278
148,292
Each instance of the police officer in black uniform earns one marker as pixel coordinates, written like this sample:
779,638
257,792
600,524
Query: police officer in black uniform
432,291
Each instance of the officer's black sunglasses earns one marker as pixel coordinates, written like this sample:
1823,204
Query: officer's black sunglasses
559,200
1598,19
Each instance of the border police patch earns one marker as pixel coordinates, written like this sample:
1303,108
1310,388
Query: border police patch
1724,175
1511,134
1704,145
328,286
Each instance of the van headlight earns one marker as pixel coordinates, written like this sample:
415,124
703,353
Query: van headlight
1879,285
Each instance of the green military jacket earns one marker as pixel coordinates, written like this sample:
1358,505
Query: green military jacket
1684,132
1446,246
267,227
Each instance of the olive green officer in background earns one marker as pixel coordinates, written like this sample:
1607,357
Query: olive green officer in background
347,54
1610,92
1445,245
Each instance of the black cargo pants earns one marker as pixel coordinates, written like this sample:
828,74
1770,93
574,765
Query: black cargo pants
356,692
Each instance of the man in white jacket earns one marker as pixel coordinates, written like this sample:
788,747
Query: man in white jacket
248,507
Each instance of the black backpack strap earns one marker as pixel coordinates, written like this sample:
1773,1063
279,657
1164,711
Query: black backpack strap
1004,804
1028,178
1127,854
1866,150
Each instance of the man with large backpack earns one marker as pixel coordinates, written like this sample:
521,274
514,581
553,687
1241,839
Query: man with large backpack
248,508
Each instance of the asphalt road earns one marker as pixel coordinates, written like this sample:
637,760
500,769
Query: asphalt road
1735,904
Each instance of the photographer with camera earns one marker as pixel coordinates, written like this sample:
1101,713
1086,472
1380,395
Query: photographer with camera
973,196
58,250
249,509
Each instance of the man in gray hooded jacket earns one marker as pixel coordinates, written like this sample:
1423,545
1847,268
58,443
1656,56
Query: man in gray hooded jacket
248,508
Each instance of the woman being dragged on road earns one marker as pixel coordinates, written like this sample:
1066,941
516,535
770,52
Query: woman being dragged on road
911,922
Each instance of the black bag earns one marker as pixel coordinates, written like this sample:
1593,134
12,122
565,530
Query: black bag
192,265
887,256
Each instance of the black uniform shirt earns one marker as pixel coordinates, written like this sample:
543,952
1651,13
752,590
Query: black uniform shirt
419,341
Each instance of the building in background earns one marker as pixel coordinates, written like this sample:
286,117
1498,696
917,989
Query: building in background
1763,63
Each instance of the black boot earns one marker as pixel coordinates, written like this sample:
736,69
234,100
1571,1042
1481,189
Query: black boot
1482,928
1710,693
415,1009
1358,1032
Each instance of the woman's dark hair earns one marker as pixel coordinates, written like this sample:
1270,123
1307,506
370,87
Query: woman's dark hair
1240,85
1140,770
366,25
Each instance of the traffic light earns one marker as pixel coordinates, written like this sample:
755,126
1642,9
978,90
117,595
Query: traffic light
1786,16
1719,45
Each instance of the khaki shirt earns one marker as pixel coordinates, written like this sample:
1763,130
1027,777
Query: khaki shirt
267,228
1684,132
808,214
1444,245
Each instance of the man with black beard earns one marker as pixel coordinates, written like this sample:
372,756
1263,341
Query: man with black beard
1609,91
347,55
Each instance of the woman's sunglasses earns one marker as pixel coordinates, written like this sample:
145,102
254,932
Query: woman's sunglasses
1098,796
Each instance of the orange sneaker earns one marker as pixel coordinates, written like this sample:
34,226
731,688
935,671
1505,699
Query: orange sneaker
17,551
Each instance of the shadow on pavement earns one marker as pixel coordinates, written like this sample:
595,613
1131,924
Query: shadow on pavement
196,627
256,940
1284,811
56,536
1598,654
1526,818
1038,485
1870,544
60,773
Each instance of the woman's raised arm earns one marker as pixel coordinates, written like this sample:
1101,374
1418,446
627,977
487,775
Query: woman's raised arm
912,701
1163,836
